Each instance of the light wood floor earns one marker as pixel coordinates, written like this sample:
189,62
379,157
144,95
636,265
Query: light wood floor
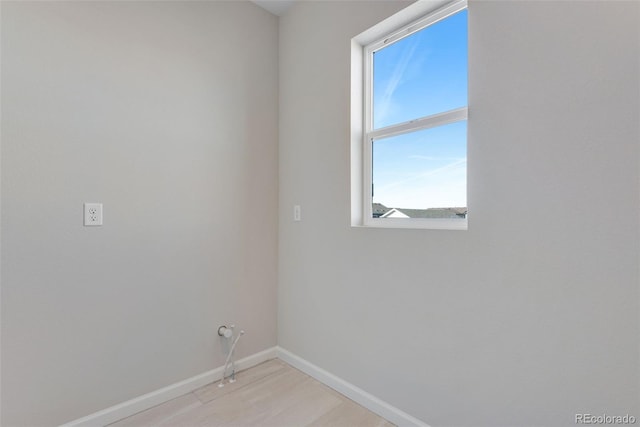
270,394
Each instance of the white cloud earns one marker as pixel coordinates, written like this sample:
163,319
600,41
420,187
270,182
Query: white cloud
420,157
384,105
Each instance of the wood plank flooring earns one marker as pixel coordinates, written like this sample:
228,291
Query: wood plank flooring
270,394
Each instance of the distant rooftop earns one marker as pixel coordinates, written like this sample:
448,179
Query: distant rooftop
381,211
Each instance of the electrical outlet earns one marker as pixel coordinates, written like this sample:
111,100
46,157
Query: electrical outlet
92,214
297,213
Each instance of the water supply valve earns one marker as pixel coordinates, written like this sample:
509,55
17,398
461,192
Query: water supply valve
224,331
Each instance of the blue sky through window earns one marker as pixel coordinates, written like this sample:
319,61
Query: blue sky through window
420,75
423,169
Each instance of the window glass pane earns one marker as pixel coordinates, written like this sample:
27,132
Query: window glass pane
421,174
422,74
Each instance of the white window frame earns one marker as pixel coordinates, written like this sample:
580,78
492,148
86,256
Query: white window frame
363,216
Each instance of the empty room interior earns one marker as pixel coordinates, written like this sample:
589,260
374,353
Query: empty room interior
328,213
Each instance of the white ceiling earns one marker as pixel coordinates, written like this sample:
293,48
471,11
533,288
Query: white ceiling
277,7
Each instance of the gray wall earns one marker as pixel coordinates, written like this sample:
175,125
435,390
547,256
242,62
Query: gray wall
166,112
531,315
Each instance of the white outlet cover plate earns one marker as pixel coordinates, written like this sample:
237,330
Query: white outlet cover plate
92,214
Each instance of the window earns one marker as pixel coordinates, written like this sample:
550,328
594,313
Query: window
414,128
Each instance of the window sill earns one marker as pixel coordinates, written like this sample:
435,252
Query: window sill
416,223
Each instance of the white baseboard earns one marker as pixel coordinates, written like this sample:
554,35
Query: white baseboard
372,403
149,400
